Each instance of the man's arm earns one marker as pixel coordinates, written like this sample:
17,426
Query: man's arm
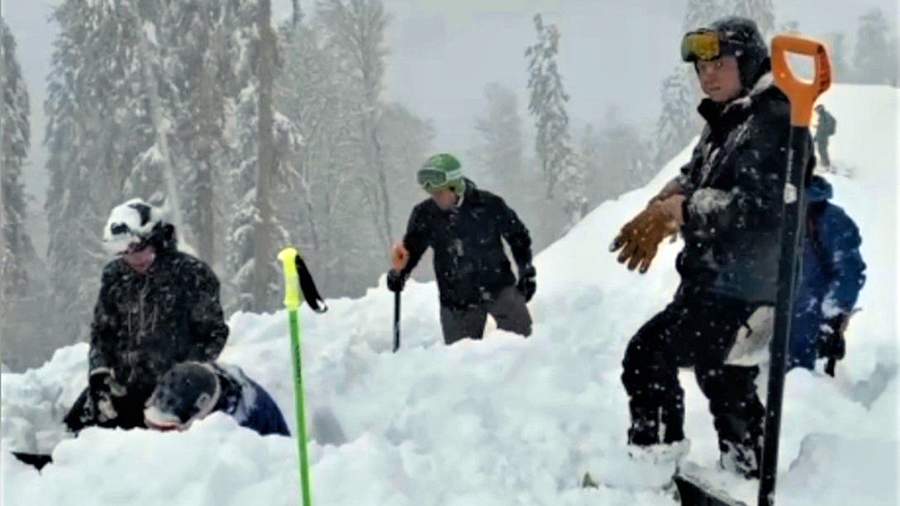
416,240
516,234
208,328
104,327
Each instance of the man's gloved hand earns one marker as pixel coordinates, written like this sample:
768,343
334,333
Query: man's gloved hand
395,281
831,342
527,284
640,237
101,387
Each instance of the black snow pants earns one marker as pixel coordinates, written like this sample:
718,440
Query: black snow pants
697,329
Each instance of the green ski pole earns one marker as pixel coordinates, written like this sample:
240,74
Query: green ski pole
292,299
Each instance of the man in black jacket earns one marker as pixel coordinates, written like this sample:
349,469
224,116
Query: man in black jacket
465,226
157,307
727,204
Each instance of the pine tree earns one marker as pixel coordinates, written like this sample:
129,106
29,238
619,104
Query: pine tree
761,11
16,249
202,85
678,122
701,13
500,148
548,106
842,71
85,163
321,93
266,145
874,59
356,29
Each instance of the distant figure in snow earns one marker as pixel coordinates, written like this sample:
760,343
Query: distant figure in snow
157,307
190,391
727,204
465,226
825,128
833,273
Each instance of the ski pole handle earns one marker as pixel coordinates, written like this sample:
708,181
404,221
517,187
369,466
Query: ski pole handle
291,278
802,94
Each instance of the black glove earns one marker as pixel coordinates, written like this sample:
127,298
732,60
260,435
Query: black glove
527,285
831,342
100,391
395,281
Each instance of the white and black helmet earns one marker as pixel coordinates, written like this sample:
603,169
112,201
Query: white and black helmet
131,224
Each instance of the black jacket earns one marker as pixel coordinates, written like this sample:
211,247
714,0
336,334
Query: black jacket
145,324
734,185
469,261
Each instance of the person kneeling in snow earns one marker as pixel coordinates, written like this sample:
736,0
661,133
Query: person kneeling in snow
157,307
190,391
727,204
833,273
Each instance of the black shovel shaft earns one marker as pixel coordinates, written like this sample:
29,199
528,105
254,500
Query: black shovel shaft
829,366
396,321
794,212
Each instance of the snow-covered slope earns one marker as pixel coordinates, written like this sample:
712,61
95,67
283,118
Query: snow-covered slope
506,421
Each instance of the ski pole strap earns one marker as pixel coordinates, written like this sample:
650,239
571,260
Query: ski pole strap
299,283
308,287
802,94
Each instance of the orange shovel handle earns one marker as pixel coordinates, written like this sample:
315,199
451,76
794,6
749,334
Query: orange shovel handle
802,94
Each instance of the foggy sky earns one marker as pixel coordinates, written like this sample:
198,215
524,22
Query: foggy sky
443,52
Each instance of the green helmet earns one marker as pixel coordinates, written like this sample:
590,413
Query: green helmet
442,172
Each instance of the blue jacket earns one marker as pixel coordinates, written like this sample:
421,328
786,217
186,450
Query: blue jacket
832,271
249,403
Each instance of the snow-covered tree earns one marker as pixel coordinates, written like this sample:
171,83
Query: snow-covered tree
266,146
761,11
16,249
841,69
500,146
678,122
874,59
701,13
321,93
548,106
202,45
87,126
15,243
356,29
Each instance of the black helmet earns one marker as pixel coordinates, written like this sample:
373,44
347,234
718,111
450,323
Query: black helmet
733,36
186,393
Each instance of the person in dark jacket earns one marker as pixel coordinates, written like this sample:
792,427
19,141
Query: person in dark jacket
727,205
190,391
466,226
157,307
833,273
825,128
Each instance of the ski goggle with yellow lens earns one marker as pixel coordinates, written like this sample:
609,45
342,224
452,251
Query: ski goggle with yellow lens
701,45
433,179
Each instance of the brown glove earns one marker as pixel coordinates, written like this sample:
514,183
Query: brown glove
640,237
